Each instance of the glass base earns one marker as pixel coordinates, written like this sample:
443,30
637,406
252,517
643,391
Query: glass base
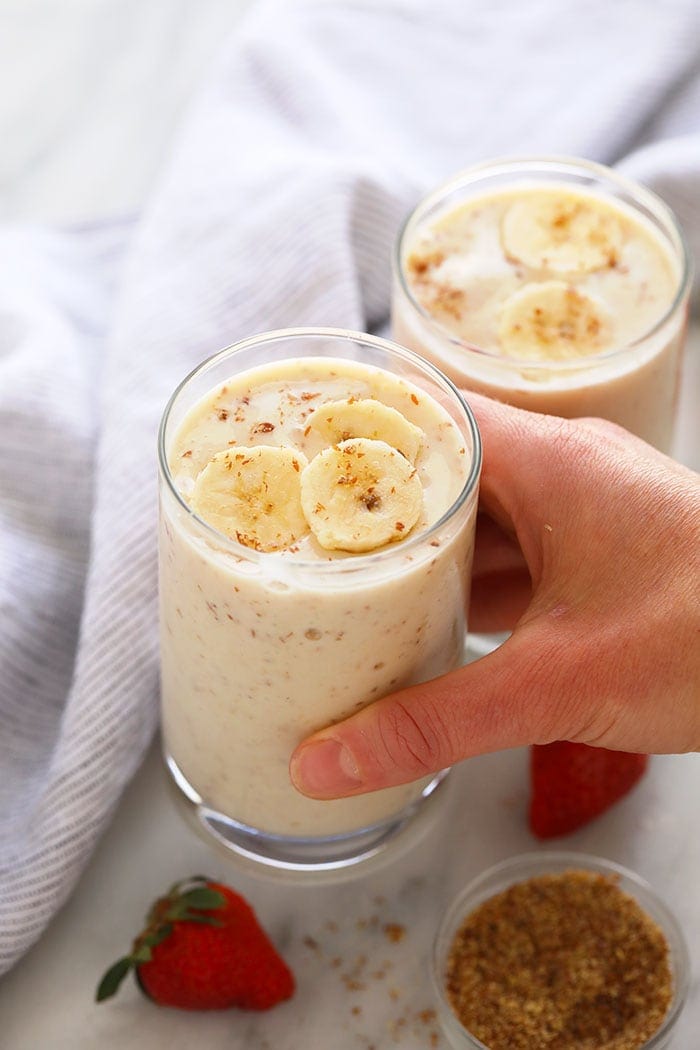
331,855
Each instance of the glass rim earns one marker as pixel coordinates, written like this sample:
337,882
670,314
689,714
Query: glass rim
552,862
356,562
557,164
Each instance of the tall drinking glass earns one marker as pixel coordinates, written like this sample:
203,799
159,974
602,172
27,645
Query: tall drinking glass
553,284
265,641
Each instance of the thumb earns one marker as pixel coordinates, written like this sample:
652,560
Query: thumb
507,699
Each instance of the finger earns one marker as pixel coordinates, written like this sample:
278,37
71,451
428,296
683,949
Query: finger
622,440
516,477
504,700
528,455
537,472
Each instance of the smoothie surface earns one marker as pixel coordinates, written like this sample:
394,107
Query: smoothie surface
274,406
545,272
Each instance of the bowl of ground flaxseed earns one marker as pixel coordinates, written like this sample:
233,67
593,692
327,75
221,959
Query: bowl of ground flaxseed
559,951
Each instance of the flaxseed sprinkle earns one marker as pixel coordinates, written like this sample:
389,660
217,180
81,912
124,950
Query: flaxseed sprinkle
560,962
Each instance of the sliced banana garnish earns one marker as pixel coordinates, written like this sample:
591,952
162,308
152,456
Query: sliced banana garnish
554,321
360,494
560,232
366,418
253,495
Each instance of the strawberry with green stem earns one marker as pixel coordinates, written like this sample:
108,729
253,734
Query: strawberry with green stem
203,949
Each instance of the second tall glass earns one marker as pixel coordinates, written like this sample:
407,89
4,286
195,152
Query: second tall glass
553,284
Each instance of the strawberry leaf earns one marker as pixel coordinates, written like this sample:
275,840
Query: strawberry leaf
113,978
203,897
204,920
142,954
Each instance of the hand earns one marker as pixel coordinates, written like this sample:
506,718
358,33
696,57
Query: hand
588,544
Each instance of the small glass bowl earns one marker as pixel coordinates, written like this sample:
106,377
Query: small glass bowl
518,869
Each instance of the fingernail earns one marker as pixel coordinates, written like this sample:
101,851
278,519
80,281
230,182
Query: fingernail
325,769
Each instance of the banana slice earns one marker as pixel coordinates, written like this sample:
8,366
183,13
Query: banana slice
366,418
551,320
359,495
560,232
253,495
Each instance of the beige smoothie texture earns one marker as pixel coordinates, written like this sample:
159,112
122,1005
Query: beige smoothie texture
259,649
552,298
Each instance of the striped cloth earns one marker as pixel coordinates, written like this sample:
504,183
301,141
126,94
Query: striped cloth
319,125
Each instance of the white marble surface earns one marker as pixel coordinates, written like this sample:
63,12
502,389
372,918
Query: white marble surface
46,1002
71,153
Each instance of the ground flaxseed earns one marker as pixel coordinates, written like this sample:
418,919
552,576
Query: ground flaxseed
560,962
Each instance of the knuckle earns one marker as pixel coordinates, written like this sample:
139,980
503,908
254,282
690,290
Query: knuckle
598,729
412,742
571,443
605,428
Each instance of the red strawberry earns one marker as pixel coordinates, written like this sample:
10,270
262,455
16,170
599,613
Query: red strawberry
203,949
573,783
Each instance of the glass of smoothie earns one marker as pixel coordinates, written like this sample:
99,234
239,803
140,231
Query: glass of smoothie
553,284
318,502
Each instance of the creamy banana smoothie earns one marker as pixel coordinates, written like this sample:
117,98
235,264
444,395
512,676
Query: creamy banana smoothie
555,286
317,522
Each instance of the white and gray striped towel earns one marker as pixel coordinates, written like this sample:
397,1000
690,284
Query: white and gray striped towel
318,127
